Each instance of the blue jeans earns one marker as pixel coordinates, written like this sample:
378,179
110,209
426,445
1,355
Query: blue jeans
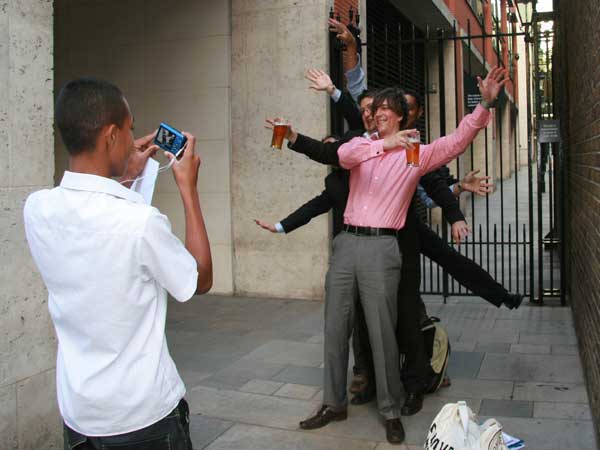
170,433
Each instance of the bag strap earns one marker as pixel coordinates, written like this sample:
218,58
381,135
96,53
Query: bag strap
463,412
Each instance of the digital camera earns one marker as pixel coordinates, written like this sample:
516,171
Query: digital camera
170,139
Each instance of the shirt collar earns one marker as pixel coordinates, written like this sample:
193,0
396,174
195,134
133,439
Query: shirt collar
95,183
371,135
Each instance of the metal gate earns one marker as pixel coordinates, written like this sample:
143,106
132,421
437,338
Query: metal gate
517,229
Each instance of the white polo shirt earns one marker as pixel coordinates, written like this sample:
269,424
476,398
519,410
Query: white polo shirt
108,260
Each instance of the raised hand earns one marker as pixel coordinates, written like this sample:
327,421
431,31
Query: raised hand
343,33
185,169
266,226
460,230
492,84
476,185
320,81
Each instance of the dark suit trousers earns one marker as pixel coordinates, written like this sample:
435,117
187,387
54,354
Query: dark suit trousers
462,269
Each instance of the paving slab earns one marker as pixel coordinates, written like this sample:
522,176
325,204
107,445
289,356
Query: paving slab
289,353
493,347
250,437
464,364
476,388
506,408
572,411
204,430
240,372
550,434
515,366
557,327
563,339
249,408
539,349
264,387
300,375
299,391
558,349
551,392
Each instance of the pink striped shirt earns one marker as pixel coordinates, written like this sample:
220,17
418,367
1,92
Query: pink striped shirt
382,185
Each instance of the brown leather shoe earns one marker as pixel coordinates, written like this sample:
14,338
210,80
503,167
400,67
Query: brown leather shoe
323,417
359,382
394,431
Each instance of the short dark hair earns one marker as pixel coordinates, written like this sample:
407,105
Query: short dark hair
418,97
366,93
395,100
83,107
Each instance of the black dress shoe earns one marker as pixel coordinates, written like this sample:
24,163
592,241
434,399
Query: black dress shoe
364,396
323,417
394,431
412,404
513,301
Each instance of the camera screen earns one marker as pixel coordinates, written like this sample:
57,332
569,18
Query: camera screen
165,138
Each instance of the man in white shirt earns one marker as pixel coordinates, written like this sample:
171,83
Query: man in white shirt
108,261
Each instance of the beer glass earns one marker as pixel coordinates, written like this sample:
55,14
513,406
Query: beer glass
280,128
412,156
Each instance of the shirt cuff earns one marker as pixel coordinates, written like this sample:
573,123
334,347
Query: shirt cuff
481,116
336,95
377,148
279,228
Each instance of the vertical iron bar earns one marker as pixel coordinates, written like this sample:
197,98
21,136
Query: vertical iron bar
487,168
495,254
509,259
442,133
524,260
551,218
499,134
472,146
539,226
529,167
517,165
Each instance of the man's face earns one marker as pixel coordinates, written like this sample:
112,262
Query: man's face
365,114
123,144
387,120
414,111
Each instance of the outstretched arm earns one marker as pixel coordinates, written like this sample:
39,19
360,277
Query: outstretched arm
446,148
313,208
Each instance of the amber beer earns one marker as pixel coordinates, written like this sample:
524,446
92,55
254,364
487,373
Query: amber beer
279,132
412,156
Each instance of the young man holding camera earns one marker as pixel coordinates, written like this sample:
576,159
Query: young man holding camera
108,261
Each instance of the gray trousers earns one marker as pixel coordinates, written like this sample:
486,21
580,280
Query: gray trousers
370,265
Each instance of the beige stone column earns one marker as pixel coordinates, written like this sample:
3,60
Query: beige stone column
28,412
273,43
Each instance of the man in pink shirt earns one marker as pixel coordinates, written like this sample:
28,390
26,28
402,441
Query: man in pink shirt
366,256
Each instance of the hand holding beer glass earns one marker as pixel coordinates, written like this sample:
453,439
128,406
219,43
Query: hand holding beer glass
412,155
280,129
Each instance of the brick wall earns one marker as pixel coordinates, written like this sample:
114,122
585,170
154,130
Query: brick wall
579,91
342,7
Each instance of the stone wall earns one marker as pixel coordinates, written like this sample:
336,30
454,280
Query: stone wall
579,84
273,43
28,413
173,64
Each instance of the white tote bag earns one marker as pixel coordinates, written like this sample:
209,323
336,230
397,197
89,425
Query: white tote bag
455,428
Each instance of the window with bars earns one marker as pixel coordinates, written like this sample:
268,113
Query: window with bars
394,58
477,8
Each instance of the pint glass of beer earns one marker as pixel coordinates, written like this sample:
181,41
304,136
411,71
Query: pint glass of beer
412,156
280,128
